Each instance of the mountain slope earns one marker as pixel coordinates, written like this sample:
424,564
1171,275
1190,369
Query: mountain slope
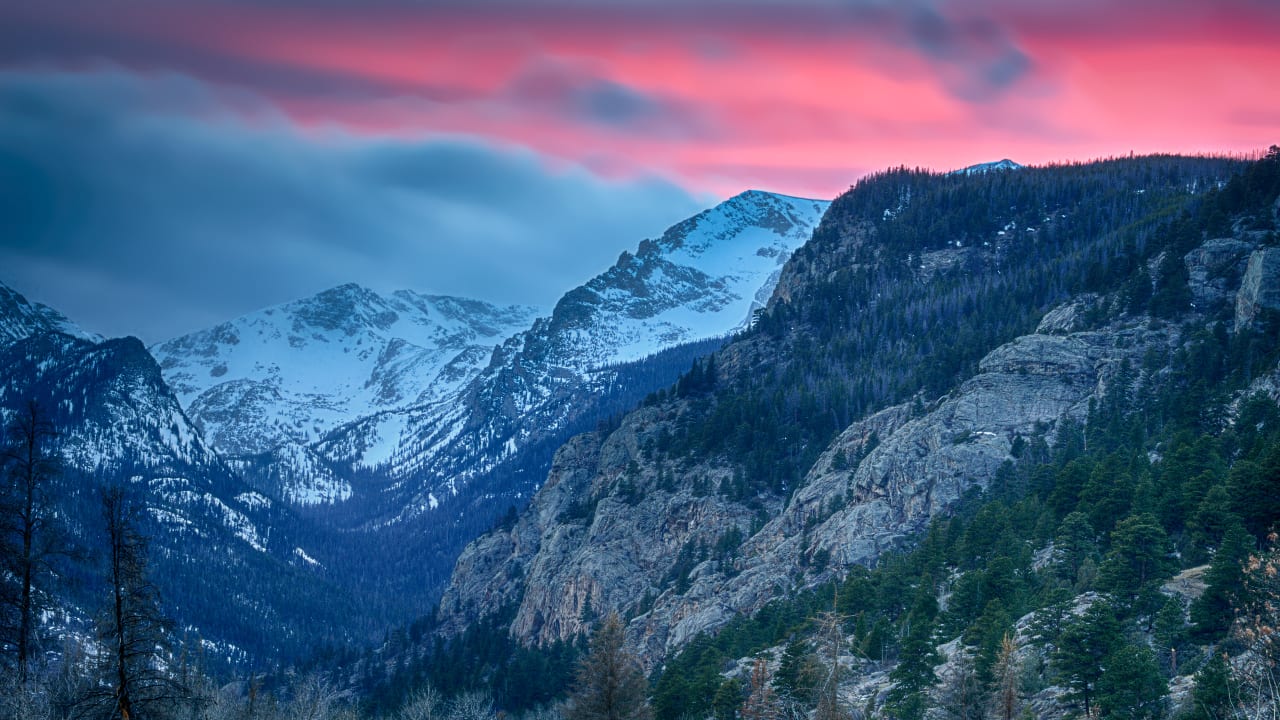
701,280
117,422
897,369
20,318
294,372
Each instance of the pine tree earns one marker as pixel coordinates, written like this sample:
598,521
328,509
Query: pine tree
29,537
1132,687
1213,612
1140,558
610,685
1006,695
1081,649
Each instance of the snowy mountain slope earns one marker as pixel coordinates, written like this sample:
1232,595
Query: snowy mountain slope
1005,164
117,422
701,280
291,373
20,318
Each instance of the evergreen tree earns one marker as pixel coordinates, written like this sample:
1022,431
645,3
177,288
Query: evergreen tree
1213,612
1211,698
1081,649
914,674
1132,687
28,536
1139,560
610,685
1073,544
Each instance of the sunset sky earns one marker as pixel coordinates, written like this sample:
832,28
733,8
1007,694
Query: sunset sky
165,165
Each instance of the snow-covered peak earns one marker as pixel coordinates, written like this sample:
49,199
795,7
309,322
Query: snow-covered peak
21,318
703,278
292,372
1005,164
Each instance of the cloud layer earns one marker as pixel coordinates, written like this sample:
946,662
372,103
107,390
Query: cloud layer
187,161
137,205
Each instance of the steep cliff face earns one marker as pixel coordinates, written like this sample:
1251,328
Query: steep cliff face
1259,297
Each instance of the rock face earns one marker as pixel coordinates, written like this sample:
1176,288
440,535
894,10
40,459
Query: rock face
683,540
1259,292
606,532
1214,270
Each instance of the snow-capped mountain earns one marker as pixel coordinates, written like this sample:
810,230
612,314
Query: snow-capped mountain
700,281
117,422
292,373
1005,164
20,318
372,411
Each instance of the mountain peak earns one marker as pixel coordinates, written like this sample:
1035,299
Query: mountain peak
1002,164
21,318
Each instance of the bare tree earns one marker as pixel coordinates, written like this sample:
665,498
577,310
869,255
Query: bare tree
960,695
762,702
610,685
133,631
313,697
424,704
830,629
28,541
474,705
1005,699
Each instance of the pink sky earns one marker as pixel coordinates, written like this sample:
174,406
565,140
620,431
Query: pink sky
799,98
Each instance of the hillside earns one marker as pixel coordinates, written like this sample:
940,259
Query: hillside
939,338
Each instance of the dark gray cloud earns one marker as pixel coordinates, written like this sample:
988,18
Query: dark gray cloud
142,205
977,57
571,92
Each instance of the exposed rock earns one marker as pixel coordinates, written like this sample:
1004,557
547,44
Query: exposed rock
1214,271
1259,292
921,468
1068,318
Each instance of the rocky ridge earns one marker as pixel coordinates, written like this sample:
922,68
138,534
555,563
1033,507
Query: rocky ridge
560,559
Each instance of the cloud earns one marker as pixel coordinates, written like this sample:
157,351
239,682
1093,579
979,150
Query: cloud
571,92
142,204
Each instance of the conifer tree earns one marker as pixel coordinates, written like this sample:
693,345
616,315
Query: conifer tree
1082,647
1006,696
610,685
28,537
1213,612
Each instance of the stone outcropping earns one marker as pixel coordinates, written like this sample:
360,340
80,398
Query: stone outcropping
1214,270
1259,292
